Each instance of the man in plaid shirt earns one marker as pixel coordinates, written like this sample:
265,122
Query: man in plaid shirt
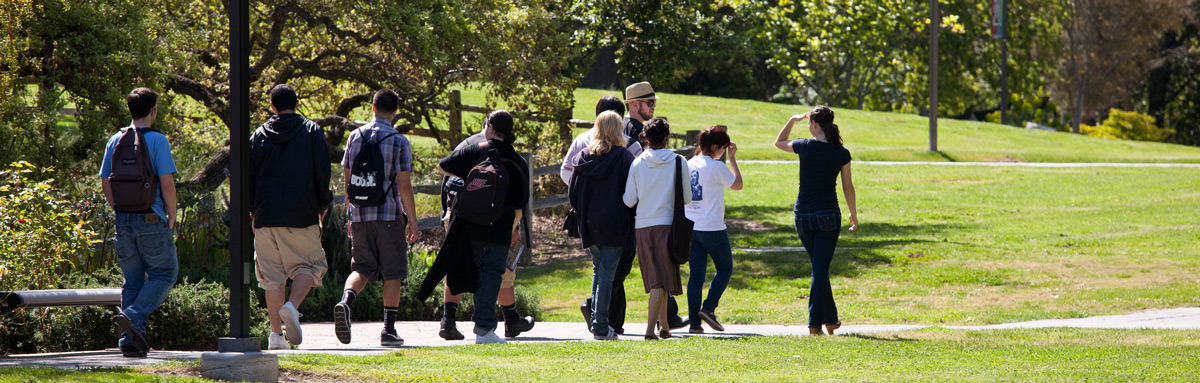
376,233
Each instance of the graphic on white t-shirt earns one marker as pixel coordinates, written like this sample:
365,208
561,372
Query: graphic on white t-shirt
697,188
708,211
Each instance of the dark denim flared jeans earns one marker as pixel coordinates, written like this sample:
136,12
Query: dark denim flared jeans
819,231
705,244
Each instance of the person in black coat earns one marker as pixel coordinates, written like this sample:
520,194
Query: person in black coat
597,185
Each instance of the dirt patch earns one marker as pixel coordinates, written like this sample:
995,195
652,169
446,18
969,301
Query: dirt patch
284,375
550,243
745,225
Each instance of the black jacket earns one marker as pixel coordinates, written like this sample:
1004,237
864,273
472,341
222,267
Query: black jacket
633,129
290,169
596,189
455,262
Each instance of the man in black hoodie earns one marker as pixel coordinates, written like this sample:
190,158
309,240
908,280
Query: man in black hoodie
290,193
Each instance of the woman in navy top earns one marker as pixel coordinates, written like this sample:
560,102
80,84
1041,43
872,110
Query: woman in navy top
818,217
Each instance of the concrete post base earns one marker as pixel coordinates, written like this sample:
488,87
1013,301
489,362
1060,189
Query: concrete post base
240,366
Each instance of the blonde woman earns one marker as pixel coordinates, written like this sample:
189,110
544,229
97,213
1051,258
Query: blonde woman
650,189
605,223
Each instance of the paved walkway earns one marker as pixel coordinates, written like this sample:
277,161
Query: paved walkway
319,337
1006,164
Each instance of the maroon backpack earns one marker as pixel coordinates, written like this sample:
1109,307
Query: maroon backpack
484,189
134,184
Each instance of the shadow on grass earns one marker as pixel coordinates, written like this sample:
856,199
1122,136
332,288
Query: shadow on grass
872,245
875,244
893,338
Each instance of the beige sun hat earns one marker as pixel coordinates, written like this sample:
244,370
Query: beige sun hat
639,91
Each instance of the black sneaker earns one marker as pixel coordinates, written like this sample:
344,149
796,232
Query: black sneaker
341,322
137,338
587,314
449,331
514,328
696,330
390,339
711,320
678,322
132,352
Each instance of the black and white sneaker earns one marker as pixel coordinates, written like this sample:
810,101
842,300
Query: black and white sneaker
137,338
610,335
390,339
341,322
129,351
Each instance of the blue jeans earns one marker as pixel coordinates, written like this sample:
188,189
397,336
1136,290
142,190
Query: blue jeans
819,231
704,244
146,254
489,259
604,269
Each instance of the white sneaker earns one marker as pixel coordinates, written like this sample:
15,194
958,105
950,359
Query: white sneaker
489,338
291,324
276,342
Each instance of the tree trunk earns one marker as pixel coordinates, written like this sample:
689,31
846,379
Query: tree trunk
1078,109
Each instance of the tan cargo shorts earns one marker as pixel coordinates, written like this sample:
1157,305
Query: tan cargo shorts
287,252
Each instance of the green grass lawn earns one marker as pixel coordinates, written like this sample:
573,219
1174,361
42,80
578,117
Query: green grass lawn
879,136
961,245
1059,355
873,136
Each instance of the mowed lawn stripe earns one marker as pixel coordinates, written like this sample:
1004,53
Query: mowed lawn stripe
951,245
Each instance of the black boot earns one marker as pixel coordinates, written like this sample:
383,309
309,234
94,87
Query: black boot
514,324
449,330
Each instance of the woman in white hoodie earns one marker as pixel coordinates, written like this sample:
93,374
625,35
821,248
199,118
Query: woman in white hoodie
649,188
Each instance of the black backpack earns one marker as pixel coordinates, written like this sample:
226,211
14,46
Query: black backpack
132,180
481,199
366,187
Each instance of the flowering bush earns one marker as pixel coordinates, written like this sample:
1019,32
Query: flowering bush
40,232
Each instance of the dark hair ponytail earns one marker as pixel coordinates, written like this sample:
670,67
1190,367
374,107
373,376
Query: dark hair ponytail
709,138
823,116
502,123
657,132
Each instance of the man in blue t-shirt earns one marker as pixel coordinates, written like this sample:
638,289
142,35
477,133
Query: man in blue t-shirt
145,244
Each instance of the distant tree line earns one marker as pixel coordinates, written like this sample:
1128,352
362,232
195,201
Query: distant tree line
1070,61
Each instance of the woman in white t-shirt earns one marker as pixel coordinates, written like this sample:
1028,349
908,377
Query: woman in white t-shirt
707,209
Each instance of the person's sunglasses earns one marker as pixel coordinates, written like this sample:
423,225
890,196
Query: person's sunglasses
650,102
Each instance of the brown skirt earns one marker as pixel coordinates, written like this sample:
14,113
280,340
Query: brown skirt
658,272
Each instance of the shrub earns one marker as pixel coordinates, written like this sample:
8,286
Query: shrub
39,229
1124,125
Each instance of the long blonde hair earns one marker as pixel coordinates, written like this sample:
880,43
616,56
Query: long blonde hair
606,134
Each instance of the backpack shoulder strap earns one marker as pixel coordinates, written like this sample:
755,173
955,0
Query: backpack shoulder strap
385,137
